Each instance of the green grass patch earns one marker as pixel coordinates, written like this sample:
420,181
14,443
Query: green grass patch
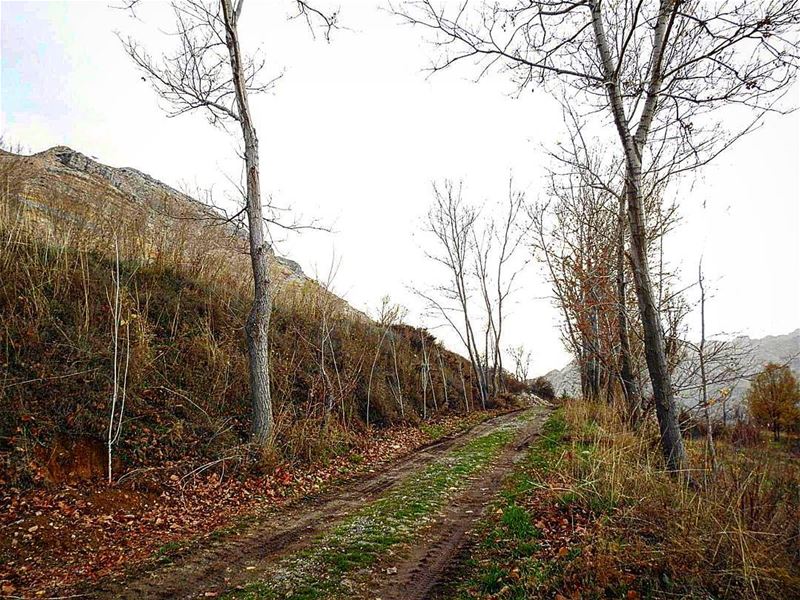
510,536
166,553
434,431
517,522
322,570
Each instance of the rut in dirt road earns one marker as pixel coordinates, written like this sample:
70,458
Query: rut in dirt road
237,559
422,569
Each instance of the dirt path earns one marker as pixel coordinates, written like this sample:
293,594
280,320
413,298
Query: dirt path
423,567
232,561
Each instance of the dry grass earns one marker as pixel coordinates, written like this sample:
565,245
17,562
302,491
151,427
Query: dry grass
734,533
185,288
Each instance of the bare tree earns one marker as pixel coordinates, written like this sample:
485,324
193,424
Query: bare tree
209,72
480,253
389,314
707,371
444,376
119,392
452,223
495,247
658,69
573,234
703,375
522,362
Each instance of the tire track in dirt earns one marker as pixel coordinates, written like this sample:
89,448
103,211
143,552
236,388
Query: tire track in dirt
422,569
237,559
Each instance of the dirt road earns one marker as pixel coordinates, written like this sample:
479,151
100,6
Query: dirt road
421,569
234,561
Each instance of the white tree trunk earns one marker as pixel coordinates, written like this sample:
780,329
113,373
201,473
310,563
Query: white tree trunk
632,145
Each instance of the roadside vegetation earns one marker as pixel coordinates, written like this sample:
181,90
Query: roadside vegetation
593,514
154,321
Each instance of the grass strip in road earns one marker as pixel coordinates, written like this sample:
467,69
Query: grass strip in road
503,563
328,568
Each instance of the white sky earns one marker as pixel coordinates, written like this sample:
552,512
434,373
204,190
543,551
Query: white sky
355,133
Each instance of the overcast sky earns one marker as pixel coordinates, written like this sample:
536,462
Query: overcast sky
354,134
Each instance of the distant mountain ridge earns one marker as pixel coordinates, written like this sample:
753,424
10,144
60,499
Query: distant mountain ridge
781,349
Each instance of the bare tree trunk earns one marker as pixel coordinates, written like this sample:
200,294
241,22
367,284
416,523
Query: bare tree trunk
424,379
464,387
372,370
257,326
397,378
655,354
429,375
632,145
625,365
478,367
594,363
444,378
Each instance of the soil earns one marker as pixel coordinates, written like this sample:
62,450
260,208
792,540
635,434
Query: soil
424,570
241,557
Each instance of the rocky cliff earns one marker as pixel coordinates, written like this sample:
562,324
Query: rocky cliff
64,184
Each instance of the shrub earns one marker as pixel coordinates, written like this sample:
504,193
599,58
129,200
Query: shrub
543,388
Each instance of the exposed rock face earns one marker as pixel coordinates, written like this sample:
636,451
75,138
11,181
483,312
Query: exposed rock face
129,181
66,173
565,381
293,266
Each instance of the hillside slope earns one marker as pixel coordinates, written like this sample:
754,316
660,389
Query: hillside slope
68,224
70,188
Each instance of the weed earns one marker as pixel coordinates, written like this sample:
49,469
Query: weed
166,553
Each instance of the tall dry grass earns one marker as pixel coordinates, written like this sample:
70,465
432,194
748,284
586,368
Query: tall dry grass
732,533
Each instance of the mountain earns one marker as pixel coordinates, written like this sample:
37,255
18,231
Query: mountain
566,380
67,187
749,354
774,348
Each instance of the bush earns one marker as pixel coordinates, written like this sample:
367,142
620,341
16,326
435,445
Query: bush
745,435
543,388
